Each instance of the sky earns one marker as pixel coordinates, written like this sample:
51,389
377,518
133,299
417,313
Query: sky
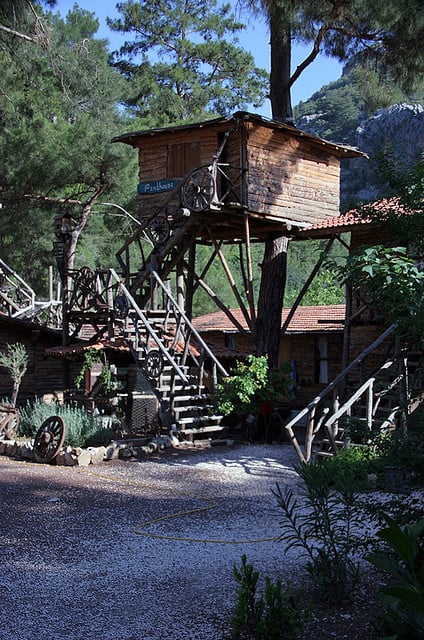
255,39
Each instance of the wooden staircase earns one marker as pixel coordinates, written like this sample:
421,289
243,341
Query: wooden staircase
378,404
171,353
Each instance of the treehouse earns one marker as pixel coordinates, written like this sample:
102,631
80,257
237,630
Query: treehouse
232,180
222,169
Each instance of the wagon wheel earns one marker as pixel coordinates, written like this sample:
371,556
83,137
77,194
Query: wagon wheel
198,190
49,439
153,364
9,422
84,288
120,305
158,230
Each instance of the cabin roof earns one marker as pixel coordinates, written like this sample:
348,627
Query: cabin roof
344,151
308,319
353,219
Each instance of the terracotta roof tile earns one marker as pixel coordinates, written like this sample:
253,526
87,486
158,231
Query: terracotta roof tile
306,319
355,217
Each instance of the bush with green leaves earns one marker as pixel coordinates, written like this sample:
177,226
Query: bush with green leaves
274,615
403,561
81,428
252,382
322,523
15,360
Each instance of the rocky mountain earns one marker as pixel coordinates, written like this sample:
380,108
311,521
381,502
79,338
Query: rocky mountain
392,136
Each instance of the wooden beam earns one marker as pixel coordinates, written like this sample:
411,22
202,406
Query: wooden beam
233,285
249,292
221,305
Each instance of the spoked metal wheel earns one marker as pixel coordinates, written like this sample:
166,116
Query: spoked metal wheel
153,364
120,305
198,191
84,291
158,230
49,439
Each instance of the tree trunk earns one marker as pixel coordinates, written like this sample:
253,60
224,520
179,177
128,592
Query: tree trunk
271,297
280,95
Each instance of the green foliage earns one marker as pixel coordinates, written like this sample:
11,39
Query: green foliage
184,60
274,615
58,113
403,561
92,357
251,384
393,283
81,428
322,527
15,361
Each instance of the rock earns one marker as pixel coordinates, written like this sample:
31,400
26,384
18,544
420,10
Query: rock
65,458
97,454
25,450
82,457
126,452
11,448
112,451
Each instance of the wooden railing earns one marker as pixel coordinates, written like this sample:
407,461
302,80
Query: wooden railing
324,411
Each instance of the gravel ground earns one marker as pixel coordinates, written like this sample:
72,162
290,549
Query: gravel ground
138,550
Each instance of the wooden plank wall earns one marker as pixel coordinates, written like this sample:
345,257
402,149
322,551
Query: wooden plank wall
291,178
44,375
153,163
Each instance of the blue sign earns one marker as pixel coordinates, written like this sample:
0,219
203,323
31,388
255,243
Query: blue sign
157,186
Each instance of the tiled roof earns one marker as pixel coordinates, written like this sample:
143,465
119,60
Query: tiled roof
354,218
315,319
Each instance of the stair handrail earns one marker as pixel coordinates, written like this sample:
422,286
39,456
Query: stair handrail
368,384
187,321
310,409
149,327
15,280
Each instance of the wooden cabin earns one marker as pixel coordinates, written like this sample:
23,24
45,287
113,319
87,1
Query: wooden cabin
312,343
242,163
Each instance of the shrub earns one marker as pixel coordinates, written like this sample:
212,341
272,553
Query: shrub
403,560
82,429
251,384
273,615
322,526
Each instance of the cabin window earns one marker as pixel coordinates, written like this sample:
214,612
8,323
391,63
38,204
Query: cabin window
182,158
230,341
321,372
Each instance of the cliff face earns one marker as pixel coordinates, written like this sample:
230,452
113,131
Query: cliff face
393,139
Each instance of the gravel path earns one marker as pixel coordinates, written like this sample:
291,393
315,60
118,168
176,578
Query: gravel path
94,553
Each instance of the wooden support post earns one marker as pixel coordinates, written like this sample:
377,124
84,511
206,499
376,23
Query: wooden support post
250,296
233,285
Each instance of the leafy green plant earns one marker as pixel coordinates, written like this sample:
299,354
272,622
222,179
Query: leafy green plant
91,357
357,463
251,384
15,361
82,430
322,526
404,562
273,615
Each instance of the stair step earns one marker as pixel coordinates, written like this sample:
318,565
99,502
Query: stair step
190,398
211,429
199,419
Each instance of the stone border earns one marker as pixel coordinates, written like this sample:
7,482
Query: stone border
116,450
